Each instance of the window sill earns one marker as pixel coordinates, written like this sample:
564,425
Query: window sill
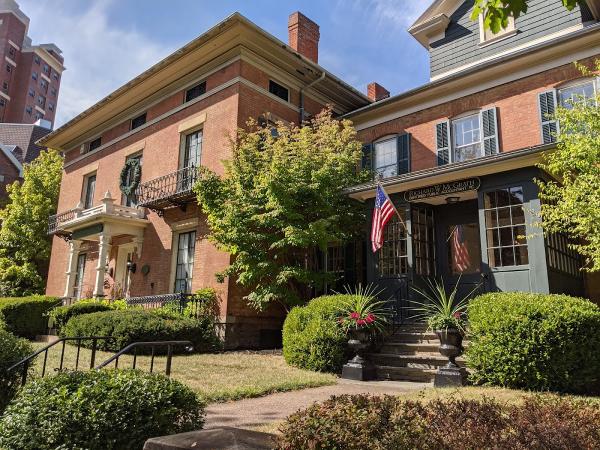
497,39
519,268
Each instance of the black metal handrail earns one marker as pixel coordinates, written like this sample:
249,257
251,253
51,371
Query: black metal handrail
172,185
26,362
56,220
152,344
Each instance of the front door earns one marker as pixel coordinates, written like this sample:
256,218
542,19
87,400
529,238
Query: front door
79,276
459,246
122,274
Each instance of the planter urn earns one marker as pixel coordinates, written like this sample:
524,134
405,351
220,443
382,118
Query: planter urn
359,368
450,375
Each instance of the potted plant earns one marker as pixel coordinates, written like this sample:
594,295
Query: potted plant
362,317
447,317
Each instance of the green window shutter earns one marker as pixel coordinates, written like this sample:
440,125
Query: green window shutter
403,148
442,142
549,126
489,123
367,157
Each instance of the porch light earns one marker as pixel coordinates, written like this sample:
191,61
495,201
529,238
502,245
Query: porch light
452,199
131,266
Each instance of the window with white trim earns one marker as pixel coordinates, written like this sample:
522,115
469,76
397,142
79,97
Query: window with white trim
184,265
467,138
385,157
89,188
581,92
486,35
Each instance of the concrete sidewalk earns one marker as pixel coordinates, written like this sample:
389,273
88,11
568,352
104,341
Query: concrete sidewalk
263,412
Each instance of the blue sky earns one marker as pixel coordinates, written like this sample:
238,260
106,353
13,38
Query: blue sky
108,42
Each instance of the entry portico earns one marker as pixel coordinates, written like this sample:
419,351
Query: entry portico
474,221
98,225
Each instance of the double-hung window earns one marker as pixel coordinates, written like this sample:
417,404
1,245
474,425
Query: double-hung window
388,157
88,191
583,91
469,137
184,265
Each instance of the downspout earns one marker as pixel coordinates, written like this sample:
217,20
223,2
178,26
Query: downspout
302,89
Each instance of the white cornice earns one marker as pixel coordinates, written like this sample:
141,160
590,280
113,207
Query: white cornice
430,31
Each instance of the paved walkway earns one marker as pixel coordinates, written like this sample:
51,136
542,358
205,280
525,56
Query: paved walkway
258,413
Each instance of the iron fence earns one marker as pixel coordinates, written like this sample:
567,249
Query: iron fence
56,220
179,302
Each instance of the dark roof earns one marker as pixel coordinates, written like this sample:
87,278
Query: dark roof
24,137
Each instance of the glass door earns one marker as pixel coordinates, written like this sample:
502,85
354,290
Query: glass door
79,276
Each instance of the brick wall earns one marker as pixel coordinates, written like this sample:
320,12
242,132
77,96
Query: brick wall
517,108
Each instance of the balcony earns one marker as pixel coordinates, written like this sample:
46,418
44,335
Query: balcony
93,220
173,189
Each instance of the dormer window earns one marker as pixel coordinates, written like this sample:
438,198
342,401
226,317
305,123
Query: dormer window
487,36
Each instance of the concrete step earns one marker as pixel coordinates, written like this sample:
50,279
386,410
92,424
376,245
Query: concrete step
420,361
413,336
404,373
409,348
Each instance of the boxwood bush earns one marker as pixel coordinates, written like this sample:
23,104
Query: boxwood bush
27,316
98,410
312,336
59,316
127,326
534,341
381,423
12,350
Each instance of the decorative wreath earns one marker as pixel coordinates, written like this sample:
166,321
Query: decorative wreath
131,175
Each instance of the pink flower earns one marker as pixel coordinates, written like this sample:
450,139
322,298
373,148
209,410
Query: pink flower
361,322
354,315
457,315
370,318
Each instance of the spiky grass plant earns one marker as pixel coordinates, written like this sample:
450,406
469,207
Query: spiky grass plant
441,309
363,311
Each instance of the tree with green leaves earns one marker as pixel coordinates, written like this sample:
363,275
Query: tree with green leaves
280,199
497,13
24,242
571,201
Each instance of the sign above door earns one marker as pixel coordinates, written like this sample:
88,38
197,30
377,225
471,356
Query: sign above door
437,190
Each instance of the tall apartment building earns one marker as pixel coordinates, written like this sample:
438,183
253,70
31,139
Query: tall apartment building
30,75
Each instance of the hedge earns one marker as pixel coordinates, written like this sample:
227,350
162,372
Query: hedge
12,350
98,410
27,316
58,317
357,422
128,326
534,341
312,337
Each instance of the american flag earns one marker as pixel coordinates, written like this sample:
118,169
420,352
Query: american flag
460,252
383,212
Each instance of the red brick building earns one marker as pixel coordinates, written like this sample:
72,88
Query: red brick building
178,114
457,155
30,75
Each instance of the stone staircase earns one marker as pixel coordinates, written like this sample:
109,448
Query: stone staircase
410,354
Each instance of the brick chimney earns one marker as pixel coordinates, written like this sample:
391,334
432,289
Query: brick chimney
377,92
303,36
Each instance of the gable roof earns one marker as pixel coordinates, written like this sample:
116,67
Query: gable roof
22,137
9,151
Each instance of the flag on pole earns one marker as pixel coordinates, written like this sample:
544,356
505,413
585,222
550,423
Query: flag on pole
383,212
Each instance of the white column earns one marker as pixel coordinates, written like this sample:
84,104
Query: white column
72,267
103,255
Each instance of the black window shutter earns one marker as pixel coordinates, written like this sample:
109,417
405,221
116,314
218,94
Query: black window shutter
442,134
490,131
367,157
403,149
547,103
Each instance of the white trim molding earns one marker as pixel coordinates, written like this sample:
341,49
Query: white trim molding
192,122
10,61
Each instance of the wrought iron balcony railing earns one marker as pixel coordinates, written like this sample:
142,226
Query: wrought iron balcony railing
173,189
55,221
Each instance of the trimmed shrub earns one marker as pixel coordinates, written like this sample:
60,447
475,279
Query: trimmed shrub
58,317
312,336
534,341
12,350
380,423
27,316
127,326
98,410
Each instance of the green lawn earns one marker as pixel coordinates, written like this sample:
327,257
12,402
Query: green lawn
216,377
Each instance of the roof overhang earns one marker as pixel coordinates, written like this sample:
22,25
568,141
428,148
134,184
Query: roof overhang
481,76
209,50
502,162
431,25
